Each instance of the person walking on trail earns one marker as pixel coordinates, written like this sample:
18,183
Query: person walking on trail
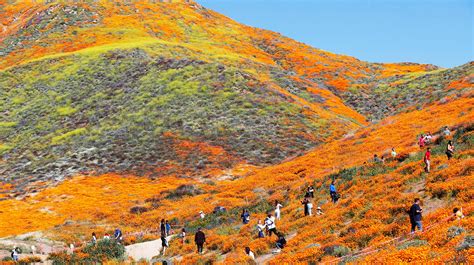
14,253
421,141
94,238
277,210
310,192
393,153
260,228
427,160
183,235
415,216
305,203
450,150
162,227
164,243
118,236
249,253
428,138
168,228
199,239
270,224
333,192
446,131
245,216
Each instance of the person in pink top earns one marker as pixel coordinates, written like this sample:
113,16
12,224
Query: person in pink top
421,141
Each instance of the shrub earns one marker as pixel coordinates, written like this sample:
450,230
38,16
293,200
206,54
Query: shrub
413,243
467,243
454,231
336,250
184,190
105,250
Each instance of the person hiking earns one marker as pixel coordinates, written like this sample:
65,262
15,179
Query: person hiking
245,216
446,131
164,243
14,253
310,192
202,214
270,224
427,160
118,236
199,239
449,150
249,253
107,236
333,192
277,210
305,203
393,153
281,242
458,213
310,207
167,228
94,238
428,138
377,159
415,216
260,228
162,226
183,235
421,141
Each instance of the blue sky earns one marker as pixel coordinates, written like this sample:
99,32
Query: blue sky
439,32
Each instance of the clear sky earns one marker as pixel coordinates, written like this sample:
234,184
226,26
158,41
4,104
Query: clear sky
439,32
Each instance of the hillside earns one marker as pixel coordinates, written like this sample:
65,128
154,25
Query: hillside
123,113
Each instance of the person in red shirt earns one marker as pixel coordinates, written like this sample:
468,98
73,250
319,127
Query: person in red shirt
427,160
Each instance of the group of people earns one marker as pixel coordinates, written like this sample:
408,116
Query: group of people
118,237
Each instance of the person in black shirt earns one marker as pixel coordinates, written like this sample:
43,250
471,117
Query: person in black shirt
199,239
162,227
415,216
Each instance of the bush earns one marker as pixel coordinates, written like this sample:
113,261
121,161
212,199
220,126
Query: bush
184,190
105,250
412,243
336,250
467,243
454,231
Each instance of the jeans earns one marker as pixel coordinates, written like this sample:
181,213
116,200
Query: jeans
260,234
415,224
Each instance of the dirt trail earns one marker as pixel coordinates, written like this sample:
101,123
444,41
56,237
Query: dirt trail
146,250
263,259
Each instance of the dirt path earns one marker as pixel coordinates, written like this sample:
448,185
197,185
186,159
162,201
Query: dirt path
146,250
263,259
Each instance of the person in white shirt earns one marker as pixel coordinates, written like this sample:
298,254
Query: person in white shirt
202,215
277,210
393,153
270,224
249,253
260,228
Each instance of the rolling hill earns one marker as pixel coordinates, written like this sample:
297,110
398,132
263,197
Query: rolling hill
120,113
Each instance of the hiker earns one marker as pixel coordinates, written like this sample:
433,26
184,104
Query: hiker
310,207
428,138
393,153
94,238
281,242
162,226
33,249
14,254
245,216
446,131
305,203
310,192
270,224
377,159
249,253
168,228
450,150
421,141
183,235
118,235
333,192
107,236
415,216
277,210
199,239
260,228
319,211
458,213
164,243
427,160
202,214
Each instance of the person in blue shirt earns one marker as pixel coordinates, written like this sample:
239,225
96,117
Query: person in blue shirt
415,216
118,235
245,216
333,192
168,228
